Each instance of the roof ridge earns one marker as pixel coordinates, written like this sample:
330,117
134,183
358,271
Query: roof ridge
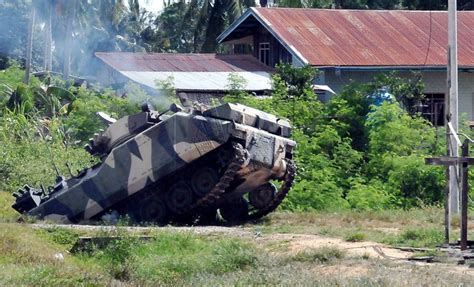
358,10
345,37
153,53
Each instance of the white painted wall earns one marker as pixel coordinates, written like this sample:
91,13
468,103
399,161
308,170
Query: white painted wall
435,82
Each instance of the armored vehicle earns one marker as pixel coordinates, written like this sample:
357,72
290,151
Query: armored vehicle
175,166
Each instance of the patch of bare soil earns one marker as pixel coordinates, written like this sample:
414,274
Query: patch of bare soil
291,244
295,242
301,242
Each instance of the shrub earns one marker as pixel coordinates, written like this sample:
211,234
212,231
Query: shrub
61,236
82,120
420,237
393,131
326,254
118,256
370,196
413,182
30,150
356,236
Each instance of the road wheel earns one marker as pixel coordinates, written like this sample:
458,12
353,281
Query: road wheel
203,180
262,196
148,209
179,197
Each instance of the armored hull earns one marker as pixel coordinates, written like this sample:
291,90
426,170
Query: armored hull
184,167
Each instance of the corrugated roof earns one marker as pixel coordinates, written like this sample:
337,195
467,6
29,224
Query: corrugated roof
166,62
367,37
202,81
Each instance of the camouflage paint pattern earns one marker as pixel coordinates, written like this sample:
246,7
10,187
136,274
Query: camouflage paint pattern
142,149
136,163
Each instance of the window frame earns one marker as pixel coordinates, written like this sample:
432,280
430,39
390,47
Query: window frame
264,52
434,105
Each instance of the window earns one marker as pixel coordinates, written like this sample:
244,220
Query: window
264,53
433,109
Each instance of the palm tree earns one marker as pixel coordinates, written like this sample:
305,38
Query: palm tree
213,16
29,46
48,39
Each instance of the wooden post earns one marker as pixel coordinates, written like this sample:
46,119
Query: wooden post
463,164
453,99
447,209
464,194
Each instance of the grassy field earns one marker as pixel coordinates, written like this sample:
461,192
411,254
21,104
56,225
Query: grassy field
254,254
415,228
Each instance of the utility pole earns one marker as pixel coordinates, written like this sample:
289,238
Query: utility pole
453,101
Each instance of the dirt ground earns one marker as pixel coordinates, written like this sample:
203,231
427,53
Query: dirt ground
364,263
292,243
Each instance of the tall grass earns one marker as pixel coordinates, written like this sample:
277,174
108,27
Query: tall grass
30,149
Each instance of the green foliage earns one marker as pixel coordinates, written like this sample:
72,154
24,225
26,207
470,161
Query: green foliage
356,236
408,91
233,255
14,76
42,127
398,145
82,120
118,257
298,82
29,150
174,33
170,258
369,196
419,237
348,112
414,183
7,214
393,131
61,236
236,85
350,153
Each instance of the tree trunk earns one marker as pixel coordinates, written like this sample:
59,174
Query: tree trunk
29,46
48,57
67,48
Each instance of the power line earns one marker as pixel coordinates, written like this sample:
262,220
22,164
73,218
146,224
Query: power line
429,39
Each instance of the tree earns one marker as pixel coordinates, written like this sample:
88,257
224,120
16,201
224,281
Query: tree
297,80
29,46
172,30
213,16
14,19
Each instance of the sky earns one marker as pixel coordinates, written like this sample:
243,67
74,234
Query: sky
152,5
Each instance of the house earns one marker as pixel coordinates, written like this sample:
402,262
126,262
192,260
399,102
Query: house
200,76
355,45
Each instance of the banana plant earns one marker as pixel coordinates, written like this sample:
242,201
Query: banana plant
47,101
52,100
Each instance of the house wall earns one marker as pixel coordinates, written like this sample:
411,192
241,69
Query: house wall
435,82
110,77
277,52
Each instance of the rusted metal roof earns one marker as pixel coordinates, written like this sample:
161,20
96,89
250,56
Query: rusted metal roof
322,37
166,62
